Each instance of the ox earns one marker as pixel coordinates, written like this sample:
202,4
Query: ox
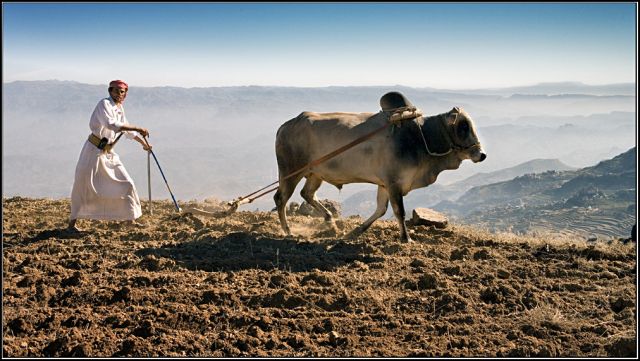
403,157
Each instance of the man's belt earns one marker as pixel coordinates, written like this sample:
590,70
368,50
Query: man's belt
102,144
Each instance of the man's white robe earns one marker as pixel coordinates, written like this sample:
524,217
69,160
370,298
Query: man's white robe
102,188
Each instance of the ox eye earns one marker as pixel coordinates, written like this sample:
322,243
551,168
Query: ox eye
463,130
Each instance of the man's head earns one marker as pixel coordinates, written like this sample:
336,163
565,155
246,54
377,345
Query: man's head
118,90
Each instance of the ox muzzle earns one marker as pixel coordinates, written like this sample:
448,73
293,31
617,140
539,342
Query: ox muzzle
476,153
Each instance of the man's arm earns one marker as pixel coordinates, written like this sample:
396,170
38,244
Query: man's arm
134,128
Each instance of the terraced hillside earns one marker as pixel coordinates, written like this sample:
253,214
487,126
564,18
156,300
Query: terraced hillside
574,222
595,201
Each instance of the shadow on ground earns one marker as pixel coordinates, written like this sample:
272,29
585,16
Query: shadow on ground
241,250
60,233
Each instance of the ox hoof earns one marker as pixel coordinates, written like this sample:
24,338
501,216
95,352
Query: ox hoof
407,240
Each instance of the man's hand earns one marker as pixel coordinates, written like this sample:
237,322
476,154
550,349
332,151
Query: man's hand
147,147
144,132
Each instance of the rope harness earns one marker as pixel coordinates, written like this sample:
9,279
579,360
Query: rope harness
395,118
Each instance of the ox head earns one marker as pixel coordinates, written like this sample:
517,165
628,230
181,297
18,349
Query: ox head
463,135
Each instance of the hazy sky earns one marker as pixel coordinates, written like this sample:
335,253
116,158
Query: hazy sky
447,45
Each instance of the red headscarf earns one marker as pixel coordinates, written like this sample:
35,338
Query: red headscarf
118,84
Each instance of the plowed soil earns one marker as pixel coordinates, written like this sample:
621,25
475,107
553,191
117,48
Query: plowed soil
185,285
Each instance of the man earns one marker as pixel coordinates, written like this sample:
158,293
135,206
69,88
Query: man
102,188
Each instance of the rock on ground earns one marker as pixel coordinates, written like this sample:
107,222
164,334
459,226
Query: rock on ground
429,217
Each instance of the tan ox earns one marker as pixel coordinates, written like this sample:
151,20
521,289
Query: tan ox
401,158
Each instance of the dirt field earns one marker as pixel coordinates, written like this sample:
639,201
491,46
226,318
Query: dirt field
192,286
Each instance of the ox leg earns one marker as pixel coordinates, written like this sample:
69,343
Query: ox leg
308,193
284,192
383,203
395,198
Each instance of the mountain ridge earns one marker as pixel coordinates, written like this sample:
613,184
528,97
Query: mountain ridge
555,88
601,200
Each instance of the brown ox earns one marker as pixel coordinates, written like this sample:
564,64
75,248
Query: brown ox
403,157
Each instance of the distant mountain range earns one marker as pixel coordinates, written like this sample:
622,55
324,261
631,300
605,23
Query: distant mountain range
563,88
598,200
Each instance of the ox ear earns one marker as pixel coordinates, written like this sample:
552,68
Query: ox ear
452,117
